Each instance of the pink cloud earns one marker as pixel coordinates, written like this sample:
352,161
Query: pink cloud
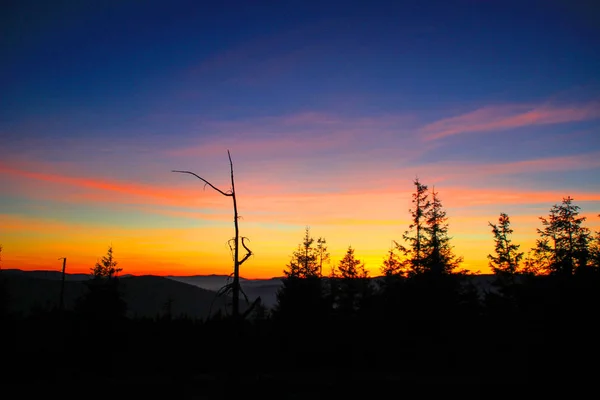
565,163
494,118
457,196
301,134
58,186
448,170
373,196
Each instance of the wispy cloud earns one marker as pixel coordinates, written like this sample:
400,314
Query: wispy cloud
547,164
302,134
495,118
370,190
97,190
478,172
367,215
457,196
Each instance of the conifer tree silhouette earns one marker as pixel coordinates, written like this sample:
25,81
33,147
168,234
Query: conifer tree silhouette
563,246
301,295
507,256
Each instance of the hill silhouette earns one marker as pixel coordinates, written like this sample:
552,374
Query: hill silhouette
46,274
146,296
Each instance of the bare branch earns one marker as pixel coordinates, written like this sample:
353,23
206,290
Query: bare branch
256,302
225,289
247,256
252,306
247,249
245,296
206,182
231,251
244,244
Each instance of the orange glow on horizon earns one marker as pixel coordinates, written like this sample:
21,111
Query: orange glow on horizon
189,227
197,252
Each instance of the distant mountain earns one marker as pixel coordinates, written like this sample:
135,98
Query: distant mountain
267,288
146,296
27,291
50,275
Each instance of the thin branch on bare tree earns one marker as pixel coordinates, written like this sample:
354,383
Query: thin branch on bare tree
206,182
249,252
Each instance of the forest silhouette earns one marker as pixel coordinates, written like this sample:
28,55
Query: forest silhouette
421,321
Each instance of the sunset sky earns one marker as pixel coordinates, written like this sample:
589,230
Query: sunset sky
330,110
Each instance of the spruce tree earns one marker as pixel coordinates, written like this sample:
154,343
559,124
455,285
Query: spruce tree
595,251
563,246
353,281
304,262
507,257
395,270
103,300
415,237
439,256
393,266
4,296
323,255
301,296
106,268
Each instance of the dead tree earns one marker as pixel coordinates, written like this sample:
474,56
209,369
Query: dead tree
234,287
62,285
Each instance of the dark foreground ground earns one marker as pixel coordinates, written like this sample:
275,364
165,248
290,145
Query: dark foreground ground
179,360
424,340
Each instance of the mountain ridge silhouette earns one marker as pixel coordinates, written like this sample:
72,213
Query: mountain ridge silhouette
266,288
146,295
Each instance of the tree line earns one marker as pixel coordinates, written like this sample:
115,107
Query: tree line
423,318
565,247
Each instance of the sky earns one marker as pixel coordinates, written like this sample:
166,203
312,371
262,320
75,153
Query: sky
330,110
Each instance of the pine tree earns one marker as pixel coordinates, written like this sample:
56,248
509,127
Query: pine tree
595,251
322,254
540,259
350,267
353,283
563,246
304,262
301,296
103,301
439,257
4,295
393,265
415,236
395,270
507,258
106,267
